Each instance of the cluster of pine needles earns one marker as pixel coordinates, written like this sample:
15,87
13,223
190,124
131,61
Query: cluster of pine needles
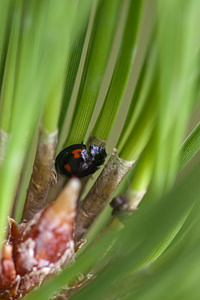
125,75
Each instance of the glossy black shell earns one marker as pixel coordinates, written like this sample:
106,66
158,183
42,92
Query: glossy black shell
71,164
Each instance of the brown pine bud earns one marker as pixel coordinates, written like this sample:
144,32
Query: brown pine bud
41,246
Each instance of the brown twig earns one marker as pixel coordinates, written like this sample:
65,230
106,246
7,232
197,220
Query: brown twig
55,189
92,205
42,175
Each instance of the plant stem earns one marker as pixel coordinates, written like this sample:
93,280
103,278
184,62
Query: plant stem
92,205
42,174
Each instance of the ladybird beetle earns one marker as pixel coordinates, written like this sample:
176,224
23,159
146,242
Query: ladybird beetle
77,161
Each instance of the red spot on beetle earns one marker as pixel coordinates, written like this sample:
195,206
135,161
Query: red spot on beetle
76,153
67,167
